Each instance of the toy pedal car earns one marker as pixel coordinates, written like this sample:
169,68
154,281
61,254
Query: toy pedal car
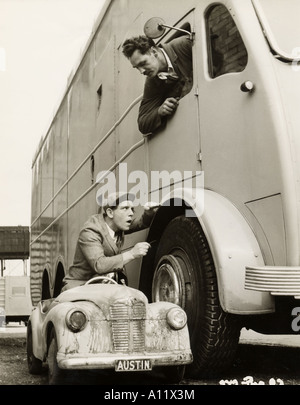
107,326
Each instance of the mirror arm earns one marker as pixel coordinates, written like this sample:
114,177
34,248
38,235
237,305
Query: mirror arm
177,29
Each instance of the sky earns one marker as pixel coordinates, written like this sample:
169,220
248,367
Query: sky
40,43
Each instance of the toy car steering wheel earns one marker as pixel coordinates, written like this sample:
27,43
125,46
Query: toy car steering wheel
101,278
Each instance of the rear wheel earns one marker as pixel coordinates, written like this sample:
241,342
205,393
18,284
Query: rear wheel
35,366
185,274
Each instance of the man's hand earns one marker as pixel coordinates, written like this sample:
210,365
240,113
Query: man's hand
140,249
168,107
151,205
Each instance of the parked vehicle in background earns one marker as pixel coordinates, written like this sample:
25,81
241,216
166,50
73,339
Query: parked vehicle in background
15,300
15,297
228,250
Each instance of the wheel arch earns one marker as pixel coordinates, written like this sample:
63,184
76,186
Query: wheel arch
59,276
231,240
46,285
168,211
48,331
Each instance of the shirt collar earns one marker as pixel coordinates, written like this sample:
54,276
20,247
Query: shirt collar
170,72
111,233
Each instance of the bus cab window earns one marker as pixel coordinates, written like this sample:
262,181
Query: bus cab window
226,50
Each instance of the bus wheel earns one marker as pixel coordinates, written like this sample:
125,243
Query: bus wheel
35,365
185,274
56,376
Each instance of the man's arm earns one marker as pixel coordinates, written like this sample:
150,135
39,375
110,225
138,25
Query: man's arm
152,112
92,247
145,219
152,117
149,119
93,250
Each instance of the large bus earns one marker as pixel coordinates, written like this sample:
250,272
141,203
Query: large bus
226,248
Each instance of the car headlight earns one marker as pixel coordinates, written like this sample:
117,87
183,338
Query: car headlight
76,320
176,318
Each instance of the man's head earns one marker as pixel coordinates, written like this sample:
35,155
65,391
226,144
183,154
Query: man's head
144,55
118,211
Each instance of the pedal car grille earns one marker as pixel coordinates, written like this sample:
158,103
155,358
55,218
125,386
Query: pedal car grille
128,326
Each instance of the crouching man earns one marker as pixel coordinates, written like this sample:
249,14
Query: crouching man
98,249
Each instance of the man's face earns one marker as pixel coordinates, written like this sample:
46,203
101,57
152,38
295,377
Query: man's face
147,64
122,216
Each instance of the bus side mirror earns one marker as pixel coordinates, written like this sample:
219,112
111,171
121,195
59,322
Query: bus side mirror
156,27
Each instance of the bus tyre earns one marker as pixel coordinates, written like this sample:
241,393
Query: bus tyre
185,274
56,376
35,366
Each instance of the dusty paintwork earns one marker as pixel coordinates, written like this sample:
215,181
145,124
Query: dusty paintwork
122,330
160,336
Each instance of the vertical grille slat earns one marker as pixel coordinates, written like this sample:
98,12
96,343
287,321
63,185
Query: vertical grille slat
128,326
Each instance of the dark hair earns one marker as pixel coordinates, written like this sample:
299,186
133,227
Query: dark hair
140,43
115,199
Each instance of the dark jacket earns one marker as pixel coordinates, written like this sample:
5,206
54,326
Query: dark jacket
96,252
156,91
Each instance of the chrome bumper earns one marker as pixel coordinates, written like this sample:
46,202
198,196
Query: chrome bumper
277,280
109,361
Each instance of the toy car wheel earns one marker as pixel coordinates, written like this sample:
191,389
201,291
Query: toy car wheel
185,274
56,376
35,366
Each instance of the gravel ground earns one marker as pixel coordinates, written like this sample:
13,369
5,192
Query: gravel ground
13,364
263,363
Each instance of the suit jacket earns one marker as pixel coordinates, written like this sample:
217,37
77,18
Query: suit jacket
156,91
96,252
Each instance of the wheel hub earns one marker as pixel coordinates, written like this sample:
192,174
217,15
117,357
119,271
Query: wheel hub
168,281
